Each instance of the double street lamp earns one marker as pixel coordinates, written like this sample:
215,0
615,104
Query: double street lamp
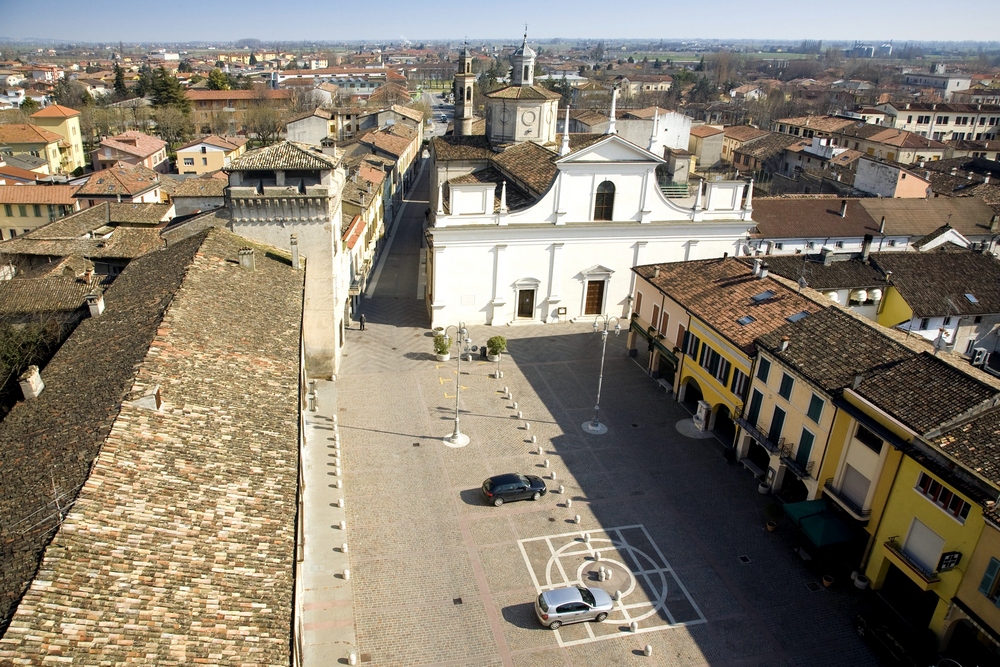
594,426
457,438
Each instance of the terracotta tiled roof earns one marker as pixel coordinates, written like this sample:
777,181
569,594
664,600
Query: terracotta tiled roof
226,143
200,187
134,143
830,346
523,93
842,273
818,123
355,228
744,132
200,495
208,95
764,148
284,155
530,164
720,291
15,174
516,198
412,114
55,111
924,392
451,147
22,133
703,131
42,295
976,445
127,180
969,216
811,218
52,440
903,139
38,194
935,283
388,142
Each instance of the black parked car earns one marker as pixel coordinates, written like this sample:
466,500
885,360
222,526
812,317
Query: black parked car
512,486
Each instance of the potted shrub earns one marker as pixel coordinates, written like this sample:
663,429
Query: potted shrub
494,346
773,512
442,347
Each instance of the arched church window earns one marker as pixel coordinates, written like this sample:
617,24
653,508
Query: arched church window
468,93
525,77
468,68
604,203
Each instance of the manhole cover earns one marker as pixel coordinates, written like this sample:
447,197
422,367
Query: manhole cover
635,426
552,519
416,444
744,559
457,601
814,587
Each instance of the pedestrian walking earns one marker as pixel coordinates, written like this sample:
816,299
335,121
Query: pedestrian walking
361,321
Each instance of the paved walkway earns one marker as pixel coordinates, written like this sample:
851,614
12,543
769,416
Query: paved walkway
440,579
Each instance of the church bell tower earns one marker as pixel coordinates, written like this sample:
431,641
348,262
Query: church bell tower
465,82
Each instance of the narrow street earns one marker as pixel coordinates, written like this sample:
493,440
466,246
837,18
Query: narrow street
438,578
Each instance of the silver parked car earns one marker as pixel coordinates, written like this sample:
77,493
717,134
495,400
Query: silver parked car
571,605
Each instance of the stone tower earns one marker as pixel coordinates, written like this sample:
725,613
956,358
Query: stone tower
465,82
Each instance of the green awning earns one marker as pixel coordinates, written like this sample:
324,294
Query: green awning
799,511
825,528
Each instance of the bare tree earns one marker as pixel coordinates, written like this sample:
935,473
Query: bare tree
263,119
172,124
221,123
304,100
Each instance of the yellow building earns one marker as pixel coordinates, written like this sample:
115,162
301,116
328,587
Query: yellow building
21,138
699,320
972,633
212,107
27,207
209,154
66,123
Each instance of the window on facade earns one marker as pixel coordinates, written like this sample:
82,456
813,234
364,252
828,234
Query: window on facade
604,203
690,345
739,384
37,210
785,390
189,162
8,210
990,585
22,210
943,497
204,161
947,321
763,370
868,439
839,244
638,303
925,322
815,408
664,320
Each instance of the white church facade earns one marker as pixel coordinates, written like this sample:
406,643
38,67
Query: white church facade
531,227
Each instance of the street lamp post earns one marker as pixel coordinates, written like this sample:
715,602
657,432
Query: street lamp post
594,426
457,438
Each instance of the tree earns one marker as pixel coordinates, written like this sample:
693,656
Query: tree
29,106
217,80
72,94
221,123
253,60
167,91
121,91
263,120
185,67
172,124
146,83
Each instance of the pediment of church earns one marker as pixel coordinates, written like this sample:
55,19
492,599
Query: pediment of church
610,149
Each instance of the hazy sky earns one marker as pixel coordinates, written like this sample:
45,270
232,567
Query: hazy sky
385,20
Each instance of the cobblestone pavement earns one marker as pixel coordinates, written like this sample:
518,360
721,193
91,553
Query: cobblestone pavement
441,579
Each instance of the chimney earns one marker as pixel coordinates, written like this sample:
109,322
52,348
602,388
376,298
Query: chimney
95,301
247,258
784,343
843,208
995,224
31,383
921,163
858,377
88,276
293,243
763,271
866,247
954,171
986,179
656,272
881,226
827,255
756,267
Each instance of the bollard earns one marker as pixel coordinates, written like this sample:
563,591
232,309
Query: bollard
618,596
586,538
336,444
609,572
336,483
602,572
546,464
336,460
519,413
540,451
506,390
336,471
340,502
633,626
576,519
553,475
527,426
534,438
597,555
562,489
343,525
569,502
352,658
515,407
335,419
347,575
648,651
343,548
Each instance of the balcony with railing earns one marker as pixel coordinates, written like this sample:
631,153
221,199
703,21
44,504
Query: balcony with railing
799,470
928,576
773,446
841,499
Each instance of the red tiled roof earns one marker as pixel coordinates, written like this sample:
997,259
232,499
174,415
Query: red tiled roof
22,133
134,143
38,194
55,111
202,95
703,131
